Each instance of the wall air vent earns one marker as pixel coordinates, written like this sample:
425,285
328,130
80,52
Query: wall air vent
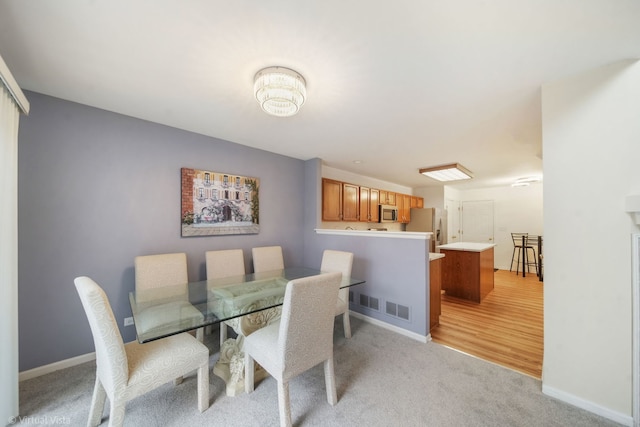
397,310
370,302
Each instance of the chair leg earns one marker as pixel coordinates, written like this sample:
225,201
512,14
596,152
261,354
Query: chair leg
97,404
203,387
223,333
347,324
283,404
330,381
116,414
512,256
249,370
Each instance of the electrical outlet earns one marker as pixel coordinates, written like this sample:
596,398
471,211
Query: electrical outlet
128,321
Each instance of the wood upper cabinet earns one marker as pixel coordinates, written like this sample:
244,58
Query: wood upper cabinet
369,198
331,200
403,201
350,202
387,198
374,202
417,202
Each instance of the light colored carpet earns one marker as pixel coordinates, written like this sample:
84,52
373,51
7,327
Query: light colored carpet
383,379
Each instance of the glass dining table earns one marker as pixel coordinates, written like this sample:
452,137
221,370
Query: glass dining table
246,303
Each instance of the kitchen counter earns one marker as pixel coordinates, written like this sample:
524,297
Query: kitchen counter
467,246
434,256
375,233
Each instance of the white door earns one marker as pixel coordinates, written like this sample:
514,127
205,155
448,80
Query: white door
453,220
477,221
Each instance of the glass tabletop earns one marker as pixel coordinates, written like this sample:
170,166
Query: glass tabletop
165,311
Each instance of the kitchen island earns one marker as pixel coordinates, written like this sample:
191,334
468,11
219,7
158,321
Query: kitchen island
467,270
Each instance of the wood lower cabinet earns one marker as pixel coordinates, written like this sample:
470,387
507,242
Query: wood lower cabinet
435,287
467,274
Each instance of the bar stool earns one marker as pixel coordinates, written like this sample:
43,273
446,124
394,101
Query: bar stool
517,246
522,244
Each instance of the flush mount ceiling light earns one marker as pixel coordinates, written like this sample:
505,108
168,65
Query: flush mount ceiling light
451,172
279,91
525,182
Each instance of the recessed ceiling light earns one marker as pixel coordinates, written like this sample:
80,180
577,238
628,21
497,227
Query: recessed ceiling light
357,162
450,172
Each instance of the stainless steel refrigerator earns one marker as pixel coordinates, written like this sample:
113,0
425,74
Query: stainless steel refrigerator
430,220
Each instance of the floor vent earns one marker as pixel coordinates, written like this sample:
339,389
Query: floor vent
397,310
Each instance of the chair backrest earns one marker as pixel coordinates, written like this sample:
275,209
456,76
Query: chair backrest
267,258
155,271
337,261
517,238
226,263
111,357
306,326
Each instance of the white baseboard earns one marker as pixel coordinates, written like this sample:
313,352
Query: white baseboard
56,366
392,328
623,419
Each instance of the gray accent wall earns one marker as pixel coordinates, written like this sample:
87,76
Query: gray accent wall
396,270
97,189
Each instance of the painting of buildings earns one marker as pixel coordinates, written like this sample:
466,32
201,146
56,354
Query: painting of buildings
215,203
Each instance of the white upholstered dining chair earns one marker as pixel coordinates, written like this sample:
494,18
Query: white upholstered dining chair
221,264
156,271
302,338
125,371
267,258
342,262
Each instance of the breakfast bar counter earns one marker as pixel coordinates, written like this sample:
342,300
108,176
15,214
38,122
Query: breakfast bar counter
467,270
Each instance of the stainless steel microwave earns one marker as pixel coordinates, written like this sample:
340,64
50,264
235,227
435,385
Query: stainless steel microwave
388,213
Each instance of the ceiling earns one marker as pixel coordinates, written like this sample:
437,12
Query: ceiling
396,85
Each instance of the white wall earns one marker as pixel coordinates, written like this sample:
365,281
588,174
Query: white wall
433,196
591,140
515,210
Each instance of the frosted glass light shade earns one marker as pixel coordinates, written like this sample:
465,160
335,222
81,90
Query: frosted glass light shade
452,172
279,91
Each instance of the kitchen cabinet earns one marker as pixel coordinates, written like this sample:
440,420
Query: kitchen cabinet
403,202
350,202
417,202
467,270
369,200
435,294
340,201
387,198
331,200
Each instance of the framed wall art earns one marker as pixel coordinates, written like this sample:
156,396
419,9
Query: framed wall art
216,203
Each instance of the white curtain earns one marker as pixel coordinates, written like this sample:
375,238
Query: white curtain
9,117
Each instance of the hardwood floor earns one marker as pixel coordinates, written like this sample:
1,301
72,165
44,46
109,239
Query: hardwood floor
505,328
